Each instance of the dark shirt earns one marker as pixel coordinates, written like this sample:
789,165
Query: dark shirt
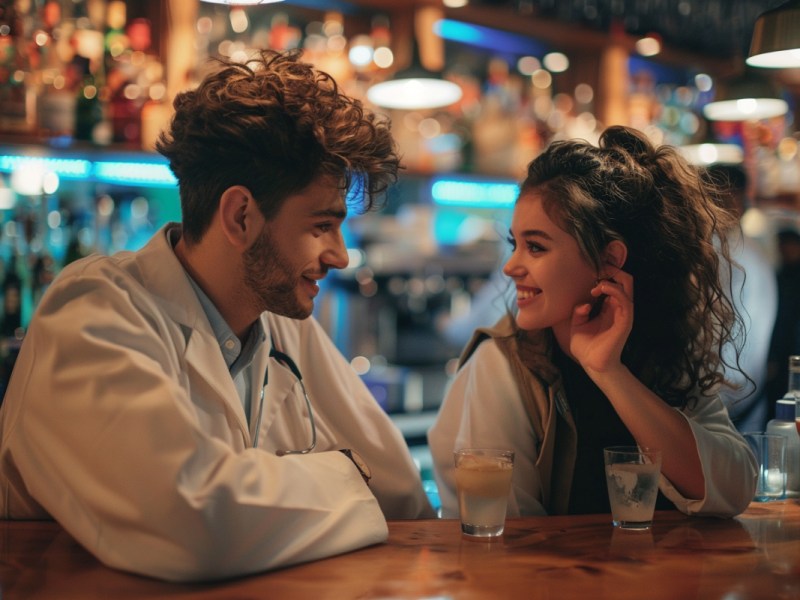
598,426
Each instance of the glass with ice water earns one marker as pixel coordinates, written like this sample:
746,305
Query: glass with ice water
632,477
483,480
770,453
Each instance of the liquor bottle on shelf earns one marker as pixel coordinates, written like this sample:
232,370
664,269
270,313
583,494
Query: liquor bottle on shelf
17,86
88,108
11,323
128,84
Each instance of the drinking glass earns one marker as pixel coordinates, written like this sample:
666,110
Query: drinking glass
483,480
632,477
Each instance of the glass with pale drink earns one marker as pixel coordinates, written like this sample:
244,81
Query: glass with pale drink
632,477
483,480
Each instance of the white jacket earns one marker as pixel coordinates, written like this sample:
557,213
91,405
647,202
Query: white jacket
122,422
483,408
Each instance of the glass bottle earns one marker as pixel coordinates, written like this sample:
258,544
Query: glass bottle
784,424
11,322
793,388
88,109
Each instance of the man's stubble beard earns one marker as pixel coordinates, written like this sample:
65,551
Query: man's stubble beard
271,281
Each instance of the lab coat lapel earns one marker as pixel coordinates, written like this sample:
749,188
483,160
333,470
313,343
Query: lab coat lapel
209,377
165,278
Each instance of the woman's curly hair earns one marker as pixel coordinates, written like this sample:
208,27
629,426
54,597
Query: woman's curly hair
670,218
272,125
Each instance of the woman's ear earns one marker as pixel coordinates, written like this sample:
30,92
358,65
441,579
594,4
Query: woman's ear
615,254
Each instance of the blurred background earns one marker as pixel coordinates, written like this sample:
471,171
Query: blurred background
86,85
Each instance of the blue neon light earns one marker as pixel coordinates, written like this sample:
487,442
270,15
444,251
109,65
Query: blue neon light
474,194
137,173
67,168
119,172
486,37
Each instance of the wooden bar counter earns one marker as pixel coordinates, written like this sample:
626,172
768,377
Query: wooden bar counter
756,555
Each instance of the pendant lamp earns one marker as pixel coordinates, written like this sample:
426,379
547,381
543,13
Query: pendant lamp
750,97
776,38
712,153
416,87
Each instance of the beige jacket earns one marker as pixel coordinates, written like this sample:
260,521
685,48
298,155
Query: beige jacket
508,393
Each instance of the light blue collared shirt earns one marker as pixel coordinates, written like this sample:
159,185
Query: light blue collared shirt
238,357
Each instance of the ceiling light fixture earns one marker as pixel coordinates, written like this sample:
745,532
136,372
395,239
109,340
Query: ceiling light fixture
776,38
415,87
711,153
749,97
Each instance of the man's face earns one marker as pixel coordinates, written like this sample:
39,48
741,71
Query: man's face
295,249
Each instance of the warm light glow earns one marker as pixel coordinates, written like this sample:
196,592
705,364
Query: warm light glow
383,57
584,93
782,59
158,91
239,21
429,128
755,223
411,94
556,62
787,149
709,154
648,46
541,79
132,91
527,65
361,51
336,43
204,25
745,109
360,364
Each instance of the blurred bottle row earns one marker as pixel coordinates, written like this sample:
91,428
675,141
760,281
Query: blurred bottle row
78,70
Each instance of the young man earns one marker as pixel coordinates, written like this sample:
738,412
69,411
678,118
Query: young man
157,409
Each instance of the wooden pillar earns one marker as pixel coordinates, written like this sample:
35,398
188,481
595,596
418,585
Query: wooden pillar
613,86
180,55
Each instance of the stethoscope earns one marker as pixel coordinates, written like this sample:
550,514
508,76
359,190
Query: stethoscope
287,361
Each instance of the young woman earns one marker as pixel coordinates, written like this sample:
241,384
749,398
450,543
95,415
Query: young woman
620,318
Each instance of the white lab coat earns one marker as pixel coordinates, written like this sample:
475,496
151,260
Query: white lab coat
122,422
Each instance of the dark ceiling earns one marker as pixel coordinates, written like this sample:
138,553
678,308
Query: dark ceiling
716,28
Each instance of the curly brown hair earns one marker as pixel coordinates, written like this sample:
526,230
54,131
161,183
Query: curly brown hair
272,125
670,218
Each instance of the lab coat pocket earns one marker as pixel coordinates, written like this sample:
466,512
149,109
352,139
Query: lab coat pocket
286,424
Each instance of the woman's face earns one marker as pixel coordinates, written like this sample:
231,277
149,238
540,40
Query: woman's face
551,275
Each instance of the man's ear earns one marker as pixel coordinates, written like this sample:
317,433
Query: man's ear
615,254
239,216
